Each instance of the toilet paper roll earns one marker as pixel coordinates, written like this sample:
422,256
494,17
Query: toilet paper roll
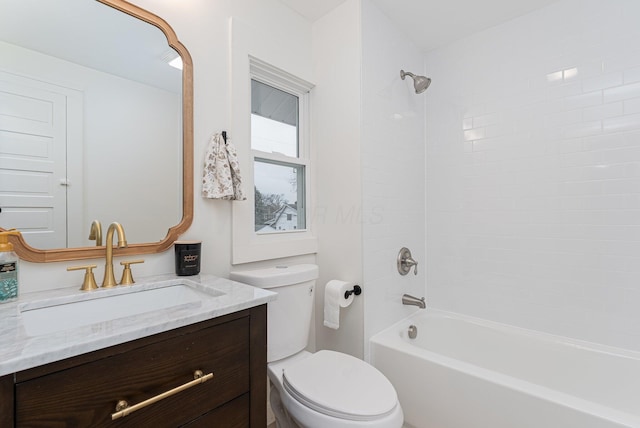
334,300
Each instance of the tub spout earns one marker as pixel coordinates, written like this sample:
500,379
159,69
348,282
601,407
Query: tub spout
408,299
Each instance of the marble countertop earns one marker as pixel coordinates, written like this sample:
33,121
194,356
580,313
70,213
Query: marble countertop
19,350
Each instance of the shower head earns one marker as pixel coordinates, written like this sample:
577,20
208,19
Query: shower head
420,83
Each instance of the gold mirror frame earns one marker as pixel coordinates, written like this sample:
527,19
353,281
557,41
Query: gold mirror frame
28,253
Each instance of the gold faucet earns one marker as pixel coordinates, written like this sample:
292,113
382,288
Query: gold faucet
109,278
95,234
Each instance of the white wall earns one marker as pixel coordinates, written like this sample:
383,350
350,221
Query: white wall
393,181
203,27
336,141
533,172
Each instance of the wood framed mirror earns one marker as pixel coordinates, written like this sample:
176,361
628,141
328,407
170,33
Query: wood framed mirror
125,188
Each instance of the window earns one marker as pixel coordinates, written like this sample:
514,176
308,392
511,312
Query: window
271,114
279,158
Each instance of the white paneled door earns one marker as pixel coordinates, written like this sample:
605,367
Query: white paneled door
33,177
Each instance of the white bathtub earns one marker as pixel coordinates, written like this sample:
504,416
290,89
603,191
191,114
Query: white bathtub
462,372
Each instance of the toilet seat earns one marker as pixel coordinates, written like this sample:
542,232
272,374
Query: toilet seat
340,386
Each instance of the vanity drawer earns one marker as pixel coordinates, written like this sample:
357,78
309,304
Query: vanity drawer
86,395
234,414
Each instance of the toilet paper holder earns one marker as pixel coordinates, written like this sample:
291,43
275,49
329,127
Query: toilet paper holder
357,290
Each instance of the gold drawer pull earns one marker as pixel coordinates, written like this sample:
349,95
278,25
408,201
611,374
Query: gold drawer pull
123,409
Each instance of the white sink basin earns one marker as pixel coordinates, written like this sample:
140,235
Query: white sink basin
51,317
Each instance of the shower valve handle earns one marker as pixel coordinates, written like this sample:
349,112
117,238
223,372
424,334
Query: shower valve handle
406,262
410,262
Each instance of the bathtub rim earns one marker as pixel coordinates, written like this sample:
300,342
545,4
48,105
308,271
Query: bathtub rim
496,325
391,338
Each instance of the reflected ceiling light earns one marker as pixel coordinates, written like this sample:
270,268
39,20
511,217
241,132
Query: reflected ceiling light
176,63
172,58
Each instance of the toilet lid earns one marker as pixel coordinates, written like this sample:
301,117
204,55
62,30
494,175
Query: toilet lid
340,386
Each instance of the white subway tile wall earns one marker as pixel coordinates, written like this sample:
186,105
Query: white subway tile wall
393,179
533,172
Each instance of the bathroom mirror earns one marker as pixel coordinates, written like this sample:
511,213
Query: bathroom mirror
95,124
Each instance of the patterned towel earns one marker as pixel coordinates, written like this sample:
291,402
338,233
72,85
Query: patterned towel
221,176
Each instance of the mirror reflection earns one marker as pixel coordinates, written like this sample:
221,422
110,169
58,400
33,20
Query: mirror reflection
90,123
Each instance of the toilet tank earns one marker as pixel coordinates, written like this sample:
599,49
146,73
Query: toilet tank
289,316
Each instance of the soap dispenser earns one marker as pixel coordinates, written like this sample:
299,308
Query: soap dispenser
8,268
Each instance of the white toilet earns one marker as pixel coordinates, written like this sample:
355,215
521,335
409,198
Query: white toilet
325,389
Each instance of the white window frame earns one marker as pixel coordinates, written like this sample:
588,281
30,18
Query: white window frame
247,245
282,160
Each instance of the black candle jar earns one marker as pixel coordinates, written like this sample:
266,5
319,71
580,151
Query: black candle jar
187,257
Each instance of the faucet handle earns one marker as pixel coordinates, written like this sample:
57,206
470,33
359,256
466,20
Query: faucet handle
405,262
89,282
410,262
127,277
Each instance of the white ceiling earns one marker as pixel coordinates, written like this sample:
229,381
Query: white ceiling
312,9
431,24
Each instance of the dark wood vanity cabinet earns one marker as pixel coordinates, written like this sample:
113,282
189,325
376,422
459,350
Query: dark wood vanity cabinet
83,391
